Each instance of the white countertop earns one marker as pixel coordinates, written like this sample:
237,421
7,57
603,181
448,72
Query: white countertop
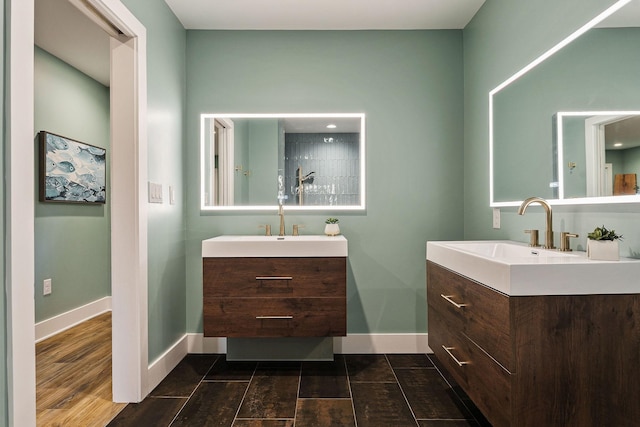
275,246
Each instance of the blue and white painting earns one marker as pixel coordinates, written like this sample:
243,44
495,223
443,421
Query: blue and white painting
73,171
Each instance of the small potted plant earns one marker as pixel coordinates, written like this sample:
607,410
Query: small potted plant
331,228
603,244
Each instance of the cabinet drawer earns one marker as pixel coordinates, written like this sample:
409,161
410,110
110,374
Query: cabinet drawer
275,317
480,312
265,277
443,334
486,382
488,385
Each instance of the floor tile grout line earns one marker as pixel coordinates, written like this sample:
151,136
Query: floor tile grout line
295,413
402,390
246,390
194,390
353,406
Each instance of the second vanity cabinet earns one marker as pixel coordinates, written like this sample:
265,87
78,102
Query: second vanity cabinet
552,360
274,296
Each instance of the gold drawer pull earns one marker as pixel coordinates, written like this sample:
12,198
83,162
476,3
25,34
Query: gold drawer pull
448,298
448,350
274,317
274,278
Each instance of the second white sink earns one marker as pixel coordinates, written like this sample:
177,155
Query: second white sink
275,246
510,251
519,270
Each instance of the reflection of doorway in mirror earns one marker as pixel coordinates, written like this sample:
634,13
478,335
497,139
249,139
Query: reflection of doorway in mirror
219,169
608,179
612,145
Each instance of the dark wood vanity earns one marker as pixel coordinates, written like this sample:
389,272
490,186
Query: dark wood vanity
275,297
567,360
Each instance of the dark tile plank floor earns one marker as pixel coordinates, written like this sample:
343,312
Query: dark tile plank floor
374,390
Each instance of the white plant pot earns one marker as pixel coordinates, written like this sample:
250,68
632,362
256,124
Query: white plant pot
603,250
331,229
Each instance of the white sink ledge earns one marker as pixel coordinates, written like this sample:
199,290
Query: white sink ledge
275,246
516,269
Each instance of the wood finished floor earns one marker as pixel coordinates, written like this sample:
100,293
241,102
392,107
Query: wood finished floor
73,376
354,390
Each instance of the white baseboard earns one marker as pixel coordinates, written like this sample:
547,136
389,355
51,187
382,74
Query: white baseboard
54,325
165,363
351,344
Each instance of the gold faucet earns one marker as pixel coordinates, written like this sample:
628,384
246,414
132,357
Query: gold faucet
548,244
281,213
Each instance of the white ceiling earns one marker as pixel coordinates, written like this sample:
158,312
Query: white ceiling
324,14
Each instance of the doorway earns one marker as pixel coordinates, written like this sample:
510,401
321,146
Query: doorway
128,213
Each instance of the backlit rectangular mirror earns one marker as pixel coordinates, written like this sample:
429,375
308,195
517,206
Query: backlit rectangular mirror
590,75
305,161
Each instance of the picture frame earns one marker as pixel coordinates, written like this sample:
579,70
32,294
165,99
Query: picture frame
71,171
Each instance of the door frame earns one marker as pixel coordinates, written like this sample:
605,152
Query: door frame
128,207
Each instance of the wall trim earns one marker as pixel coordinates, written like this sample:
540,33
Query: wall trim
56,324
164,364
351,344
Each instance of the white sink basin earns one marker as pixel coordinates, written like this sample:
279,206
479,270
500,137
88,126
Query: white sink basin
510,252
274,246
517,269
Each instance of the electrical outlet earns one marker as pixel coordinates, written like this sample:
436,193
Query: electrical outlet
496,217
46,287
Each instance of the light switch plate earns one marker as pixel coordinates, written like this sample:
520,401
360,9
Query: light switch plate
46,287
155,192
496,217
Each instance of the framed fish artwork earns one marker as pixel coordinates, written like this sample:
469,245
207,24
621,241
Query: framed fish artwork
71,171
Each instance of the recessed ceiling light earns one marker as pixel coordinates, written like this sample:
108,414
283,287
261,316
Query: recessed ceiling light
618,144
331,126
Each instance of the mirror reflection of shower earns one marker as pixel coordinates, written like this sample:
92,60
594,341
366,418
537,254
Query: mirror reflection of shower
322,168
301,181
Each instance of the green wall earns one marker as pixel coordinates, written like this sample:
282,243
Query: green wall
410,86
166,223
501,39
72,242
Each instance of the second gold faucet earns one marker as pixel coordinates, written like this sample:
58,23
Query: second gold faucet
548,243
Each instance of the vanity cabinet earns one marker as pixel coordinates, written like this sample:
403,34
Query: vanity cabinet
275,297
565,360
